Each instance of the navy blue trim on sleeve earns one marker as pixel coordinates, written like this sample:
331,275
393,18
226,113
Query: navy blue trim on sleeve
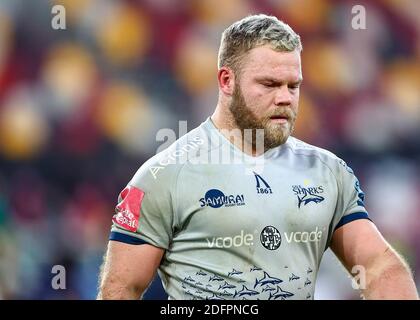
122,237
351,217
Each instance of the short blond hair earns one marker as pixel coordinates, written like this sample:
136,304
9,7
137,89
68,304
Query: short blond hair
255,31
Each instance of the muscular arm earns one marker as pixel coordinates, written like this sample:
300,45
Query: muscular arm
387,275
128,270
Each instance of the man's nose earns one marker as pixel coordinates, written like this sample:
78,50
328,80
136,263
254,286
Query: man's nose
283,96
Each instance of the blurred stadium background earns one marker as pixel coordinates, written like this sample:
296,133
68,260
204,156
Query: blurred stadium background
80,109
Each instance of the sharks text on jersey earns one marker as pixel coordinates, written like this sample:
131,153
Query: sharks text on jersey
307,195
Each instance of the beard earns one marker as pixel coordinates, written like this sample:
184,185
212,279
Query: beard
275,134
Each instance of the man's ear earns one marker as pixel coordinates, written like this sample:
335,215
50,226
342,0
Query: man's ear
226,80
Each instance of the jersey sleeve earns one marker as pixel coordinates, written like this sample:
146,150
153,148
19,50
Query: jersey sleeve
144,211
350,202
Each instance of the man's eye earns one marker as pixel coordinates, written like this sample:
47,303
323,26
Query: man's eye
294,86
269,84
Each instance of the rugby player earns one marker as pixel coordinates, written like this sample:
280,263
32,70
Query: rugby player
257,226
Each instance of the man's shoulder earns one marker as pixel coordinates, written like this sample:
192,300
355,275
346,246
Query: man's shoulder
301,148
166,163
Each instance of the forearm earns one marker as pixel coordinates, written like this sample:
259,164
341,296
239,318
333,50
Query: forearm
389,277
115,291
114,287
127,270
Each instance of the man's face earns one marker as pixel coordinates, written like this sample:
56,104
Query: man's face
266,94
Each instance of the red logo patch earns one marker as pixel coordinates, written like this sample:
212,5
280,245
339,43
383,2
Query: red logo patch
128,210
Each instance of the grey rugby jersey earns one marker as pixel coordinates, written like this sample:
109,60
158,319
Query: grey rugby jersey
246,228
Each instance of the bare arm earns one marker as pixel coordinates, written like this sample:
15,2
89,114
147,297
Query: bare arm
387,274
128,270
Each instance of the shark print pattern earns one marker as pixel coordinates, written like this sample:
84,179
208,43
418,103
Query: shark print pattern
293,277
267,279
232,285
245,292
280,294
234,273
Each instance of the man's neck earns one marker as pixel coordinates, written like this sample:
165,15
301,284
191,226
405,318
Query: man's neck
225,123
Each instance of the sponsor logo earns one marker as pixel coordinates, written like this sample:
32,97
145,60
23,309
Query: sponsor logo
239,240
304,236
215,198
128,209
308,195
270,238
262,186
178,156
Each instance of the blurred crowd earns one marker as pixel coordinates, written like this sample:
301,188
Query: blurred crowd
80,109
